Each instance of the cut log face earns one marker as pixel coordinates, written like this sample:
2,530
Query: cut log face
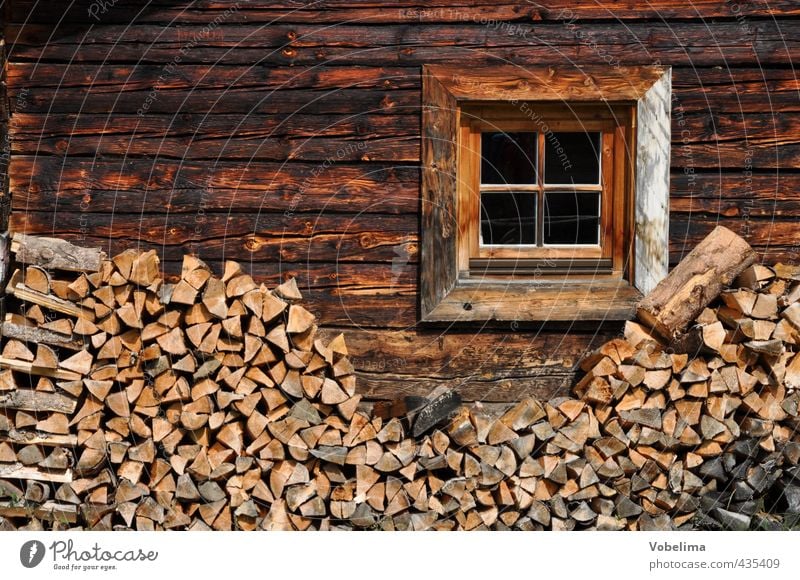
213,404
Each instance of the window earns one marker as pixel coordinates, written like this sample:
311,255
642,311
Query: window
544,192
537,189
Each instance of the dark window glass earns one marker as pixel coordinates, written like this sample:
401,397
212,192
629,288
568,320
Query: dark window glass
571,217
508,158
508,218
572,158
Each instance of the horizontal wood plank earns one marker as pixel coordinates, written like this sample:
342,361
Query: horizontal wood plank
221,89
481,364
485,300
726,43
213,101
168,186
267,236
394,11
777,185
700,140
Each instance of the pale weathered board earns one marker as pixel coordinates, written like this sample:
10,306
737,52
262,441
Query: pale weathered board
653,132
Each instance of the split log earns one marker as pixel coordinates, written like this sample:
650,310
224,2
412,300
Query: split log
691,286
55,254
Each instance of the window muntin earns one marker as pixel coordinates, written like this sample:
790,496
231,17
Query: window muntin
539,189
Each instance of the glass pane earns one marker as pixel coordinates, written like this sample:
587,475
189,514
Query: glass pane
508,218
508,158
572,158
571,217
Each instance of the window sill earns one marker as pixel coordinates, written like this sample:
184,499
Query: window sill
567,300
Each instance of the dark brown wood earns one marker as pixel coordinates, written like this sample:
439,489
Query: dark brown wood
325,237
317,137
247,101
414,45
436,411
121,78
391,364
695,282
410,11
160,186
438,245
124,88
702,140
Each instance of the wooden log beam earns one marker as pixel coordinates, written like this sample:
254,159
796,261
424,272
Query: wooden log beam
408,45
695,282
399,11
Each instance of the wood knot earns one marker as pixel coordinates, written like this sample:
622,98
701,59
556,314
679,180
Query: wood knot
251,244
367,240
291,35
47,254
289,52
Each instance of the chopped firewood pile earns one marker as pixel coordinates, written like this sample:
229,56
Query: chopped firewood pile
130,403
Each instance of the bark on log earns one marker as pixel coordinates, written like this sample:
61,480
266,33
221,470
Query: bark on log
695,282
56,254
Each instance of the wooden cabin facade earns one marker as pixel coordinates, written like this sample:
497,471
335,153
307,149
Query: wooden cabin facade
288,135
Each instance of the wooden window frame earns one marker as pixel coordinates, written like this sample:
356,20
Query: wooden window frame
607,257
457,282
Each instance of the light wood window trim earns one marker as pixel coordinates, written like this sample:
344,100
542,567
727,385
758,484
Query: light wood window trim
445,294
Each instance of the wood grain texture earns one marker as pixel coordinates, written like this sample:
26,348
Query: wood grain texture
403,11
412,45
28,400
353,295
553,83
123,89
480,364
167,186
651,192
320,237
710,267
56,254
582,300
729,82
439,230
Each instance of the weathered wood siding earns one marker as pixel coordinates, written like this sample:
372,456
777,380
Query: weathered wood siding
287,135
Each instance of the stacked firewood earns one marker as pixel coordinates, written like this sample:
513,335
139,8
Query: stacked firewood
127,402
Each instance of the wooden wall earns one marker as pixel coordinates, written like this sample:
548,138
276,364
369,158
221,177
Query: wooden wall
287,135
